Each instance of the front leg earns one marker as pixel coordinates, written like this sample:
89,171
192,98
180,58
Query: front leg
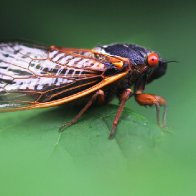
150,100
153,100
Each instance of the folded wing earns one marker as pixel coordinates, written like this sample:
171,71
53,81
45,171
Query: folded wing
31,74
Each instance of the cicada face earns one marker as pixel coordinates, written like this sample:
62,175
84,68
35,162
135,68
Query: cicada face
142,60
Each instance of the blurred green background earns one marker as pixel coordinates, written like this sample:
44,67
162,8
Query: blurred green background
36,160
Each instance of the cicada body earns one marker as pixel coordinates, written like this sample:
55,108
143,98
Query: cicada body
34,76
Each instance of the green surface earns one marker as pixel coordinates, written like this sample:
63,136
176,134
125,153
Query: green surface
142,160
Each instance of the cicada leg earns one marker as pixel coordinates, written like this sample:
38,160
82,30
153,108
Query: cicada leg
150,100
123,99
98,95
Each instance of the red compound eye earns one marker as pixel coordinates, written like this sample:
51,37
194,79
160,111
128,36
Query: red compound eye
153,59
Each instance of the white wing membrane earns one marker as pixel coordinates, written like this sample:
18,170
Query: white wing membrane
31,74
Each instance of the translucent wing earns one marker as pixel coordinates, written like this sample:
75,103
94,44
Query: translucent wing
30,75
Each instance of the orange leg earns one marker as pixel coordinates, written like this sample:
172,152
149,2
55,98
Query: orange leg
157,101
98,95
124,97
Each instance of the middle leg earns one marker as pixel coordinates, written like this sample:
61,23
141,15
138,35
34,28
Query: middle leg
123,99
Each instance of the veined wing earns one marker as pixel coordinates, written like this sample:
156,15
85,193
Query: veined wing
30,75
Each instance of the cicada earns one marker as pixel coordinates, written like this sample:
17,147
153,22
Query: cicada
33,76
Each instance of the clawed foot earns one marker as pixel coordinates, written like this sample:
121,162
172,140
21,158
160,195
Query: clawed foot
111,135
64,126
166,130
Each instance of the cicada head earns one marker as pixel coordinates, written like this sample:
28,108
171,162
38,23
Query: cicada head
142,59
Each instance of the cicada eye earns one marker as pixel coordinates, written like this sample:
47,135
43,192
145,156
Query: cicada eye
153,59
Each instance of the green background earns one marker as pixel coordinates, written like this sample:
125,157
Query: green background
142,160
